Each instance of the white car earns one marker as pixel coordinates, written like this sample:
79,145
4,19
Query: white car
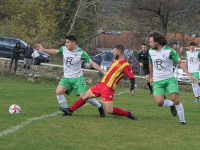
180,75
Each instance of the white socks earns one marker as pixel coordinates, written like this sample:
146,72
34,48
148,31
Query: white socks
62,101
196,89
93,101
180,111
167,103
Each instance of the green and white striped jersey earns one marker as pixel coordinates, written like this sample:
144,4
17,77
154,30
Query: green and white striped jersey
162,61
72,61
193,61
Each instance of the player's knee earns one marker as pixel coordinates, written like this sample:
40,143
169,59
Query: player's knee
109,111
58,92
159,103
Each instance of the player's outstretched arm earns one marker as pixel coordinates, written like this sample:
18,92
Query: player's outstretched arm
182,65
52,51
96,66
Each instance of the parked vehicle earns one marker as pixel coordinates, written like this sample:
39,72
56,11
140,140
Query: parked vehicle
109,58
180,75
7,44
97,59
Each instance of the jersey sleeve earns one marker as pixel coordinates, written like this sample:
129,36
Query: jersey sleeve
186,55
128,71
199,54
85,57
174,55
60,51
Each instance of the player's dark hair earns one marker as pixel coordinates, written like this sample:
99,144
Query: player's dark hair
71,38
192,44
119,47
144,44
159,37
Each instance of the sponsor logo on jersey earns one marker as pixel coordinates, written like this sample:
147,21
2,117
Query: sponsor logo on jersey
191,60
68,61
158,64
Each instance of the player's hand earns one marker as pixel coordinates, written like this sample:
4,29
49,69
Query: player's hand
151,81
132,92
141,64
39,47
192,78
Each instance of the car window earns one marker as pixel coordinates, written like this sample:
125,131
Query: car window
109,57
1,41
102,55
5,42
23,44
13,43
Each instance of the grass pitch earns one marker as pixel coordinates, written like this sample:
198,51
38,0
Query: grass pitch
40,126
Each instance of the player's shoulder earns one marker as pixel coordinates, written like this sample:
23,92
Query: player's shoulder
80,50
168,48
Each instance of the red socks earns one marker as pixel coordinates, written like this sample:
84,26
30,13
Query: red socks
119,112
77,104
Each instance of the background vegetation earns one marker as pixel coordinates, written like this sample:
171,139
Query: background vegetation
49,21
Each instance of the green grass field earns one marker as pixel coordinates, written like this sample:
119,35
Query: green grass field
40,126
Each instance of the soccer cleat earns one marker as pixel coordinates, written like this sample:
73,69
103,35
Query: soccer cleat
131,115
65,114
151,93
196,100
173,110
101,111
66,111
183,123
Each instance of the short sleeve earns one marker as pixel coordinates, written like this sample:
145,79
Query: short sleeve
85,57
128,71
199,54
60,51
174,55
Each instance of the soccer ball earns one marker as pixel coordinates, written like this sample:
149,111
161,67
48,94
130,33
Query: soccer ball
14,109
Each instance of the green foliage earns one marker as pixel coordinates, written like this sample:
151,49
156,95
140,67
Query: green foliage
46,22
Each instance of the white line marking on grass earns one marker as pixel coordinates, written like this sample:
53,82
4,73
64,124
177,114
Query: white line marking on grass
5,132
13,129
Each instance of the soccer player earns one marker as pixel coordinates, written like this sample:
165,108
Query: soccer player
161,74
107,86
192,59
73,76
144,61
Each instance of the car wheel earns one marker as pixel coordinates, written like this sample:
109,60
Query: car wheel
36,61
87,65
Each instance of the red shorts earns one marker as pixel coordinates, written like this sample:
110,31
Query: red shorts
104,91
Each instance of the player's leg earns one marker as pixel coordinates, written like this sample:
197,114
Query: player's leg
63,87
94,102
107,99
80,88
78,103
160,98
148,82
172,89
179,107
195,87
117,111
60,96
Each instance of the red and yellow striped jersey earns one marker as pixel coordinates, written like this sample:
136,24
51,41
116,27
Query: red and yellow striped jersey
117,70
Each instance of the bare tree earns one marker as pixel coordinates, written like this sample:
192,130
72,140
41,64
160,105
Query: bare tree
160,14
